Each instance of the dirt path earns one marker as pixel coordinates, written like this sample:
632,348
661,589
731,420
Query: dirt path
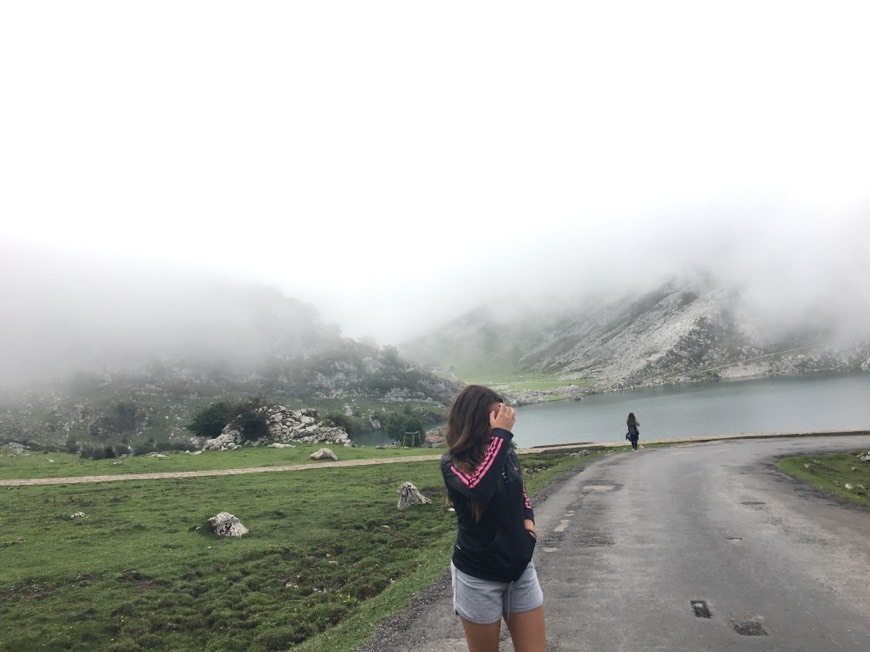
199,474
422,458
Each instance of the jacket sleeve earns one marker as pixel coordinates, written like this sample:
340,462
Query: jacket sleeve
528,512
480,484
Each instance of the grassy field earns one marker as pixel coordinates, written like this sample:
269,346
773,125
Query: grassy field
842,474
328,555
62,465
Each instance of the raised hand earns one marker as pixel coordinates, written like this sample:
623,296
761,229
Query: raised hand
502,416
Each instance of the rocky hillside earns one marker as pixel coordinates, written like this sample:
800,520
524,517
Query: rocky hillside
678,333
263,345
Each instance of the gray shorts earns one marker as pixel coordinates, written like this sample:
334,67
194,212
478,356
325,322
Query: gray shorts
484,602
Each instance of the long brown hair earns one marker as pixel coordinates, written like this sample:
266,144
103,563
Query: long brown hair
469,432
631,421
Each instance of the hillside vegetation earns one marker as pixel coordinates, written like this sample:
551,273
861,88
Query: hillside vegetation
276,352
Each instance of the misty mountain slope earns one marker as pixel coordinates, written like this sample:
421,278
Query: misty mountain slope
679,332
145,359
479,343
665,332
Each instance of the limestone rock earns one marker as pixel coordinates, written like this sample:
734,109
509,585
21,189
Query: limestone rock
226,441
286,428
410,496
435,437
227,525
324,454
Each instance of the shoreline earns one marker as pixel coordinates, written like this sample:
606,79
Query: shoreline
695,440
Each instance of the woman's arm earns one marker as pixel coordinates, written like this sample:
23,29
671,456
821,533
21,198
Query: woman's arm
480,483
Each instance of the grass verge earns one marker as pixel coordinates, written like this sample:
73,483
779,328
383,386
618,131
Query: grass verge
63,465
131,566
841,474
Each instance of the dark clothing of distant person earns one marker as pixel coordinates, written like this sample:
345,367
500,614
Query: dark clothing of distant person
633,434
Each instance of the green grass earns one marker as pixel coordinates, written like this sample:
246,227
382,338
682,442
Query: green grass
62,465
842,474
328,557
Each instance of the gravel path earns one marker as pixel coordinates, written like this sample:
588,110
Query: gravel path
199,474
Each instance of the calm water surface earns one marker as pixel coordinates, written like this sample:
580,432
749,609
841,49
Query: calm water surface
796,404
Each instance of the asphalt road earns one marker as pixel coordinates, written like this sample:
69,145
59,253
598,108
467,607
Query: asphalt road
637,543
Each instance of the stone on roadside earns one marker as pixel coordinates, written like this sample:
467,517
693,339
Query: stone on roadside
324,454
225,524
410,496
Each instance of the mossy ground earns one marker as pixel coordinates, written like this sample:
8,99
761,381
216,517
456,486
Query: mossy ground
328,556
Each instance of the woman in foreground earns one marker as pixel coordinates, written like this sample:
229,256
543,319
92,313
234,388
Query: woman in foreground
492,569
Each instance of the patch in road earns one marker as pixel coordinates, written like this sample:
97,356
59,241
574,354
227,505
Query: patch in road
595,540
597,488
701,609
748,625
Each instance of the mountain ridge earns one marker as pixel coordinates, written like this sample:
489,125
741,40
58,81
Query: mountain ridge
679,332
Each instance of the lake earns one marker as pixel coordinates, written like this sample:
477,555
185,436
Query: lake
796,403
784,404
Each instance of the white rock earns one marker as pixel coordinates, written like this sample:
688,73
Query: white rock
324,454
225,524
410,496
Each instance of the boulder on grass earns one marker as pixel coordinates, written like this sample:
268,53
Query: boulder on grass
410,496
324,454
227,525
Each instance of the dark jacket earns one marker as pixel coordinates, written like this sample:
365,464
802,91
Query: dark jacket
498,548
633,431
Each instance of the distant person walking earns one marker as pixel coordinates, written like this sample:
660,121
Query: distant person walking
492,569
633,433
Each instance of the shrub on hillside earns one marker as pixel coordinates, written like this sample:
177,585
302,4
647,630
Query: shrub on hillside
250,420
405,427
209,421
247,417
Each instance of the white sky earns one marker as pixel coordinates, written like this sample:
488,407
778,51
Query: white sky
393,163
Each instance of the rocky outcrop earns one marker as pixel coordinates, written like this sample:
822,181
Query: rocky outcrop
435,437
286,427
226,441
301,426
